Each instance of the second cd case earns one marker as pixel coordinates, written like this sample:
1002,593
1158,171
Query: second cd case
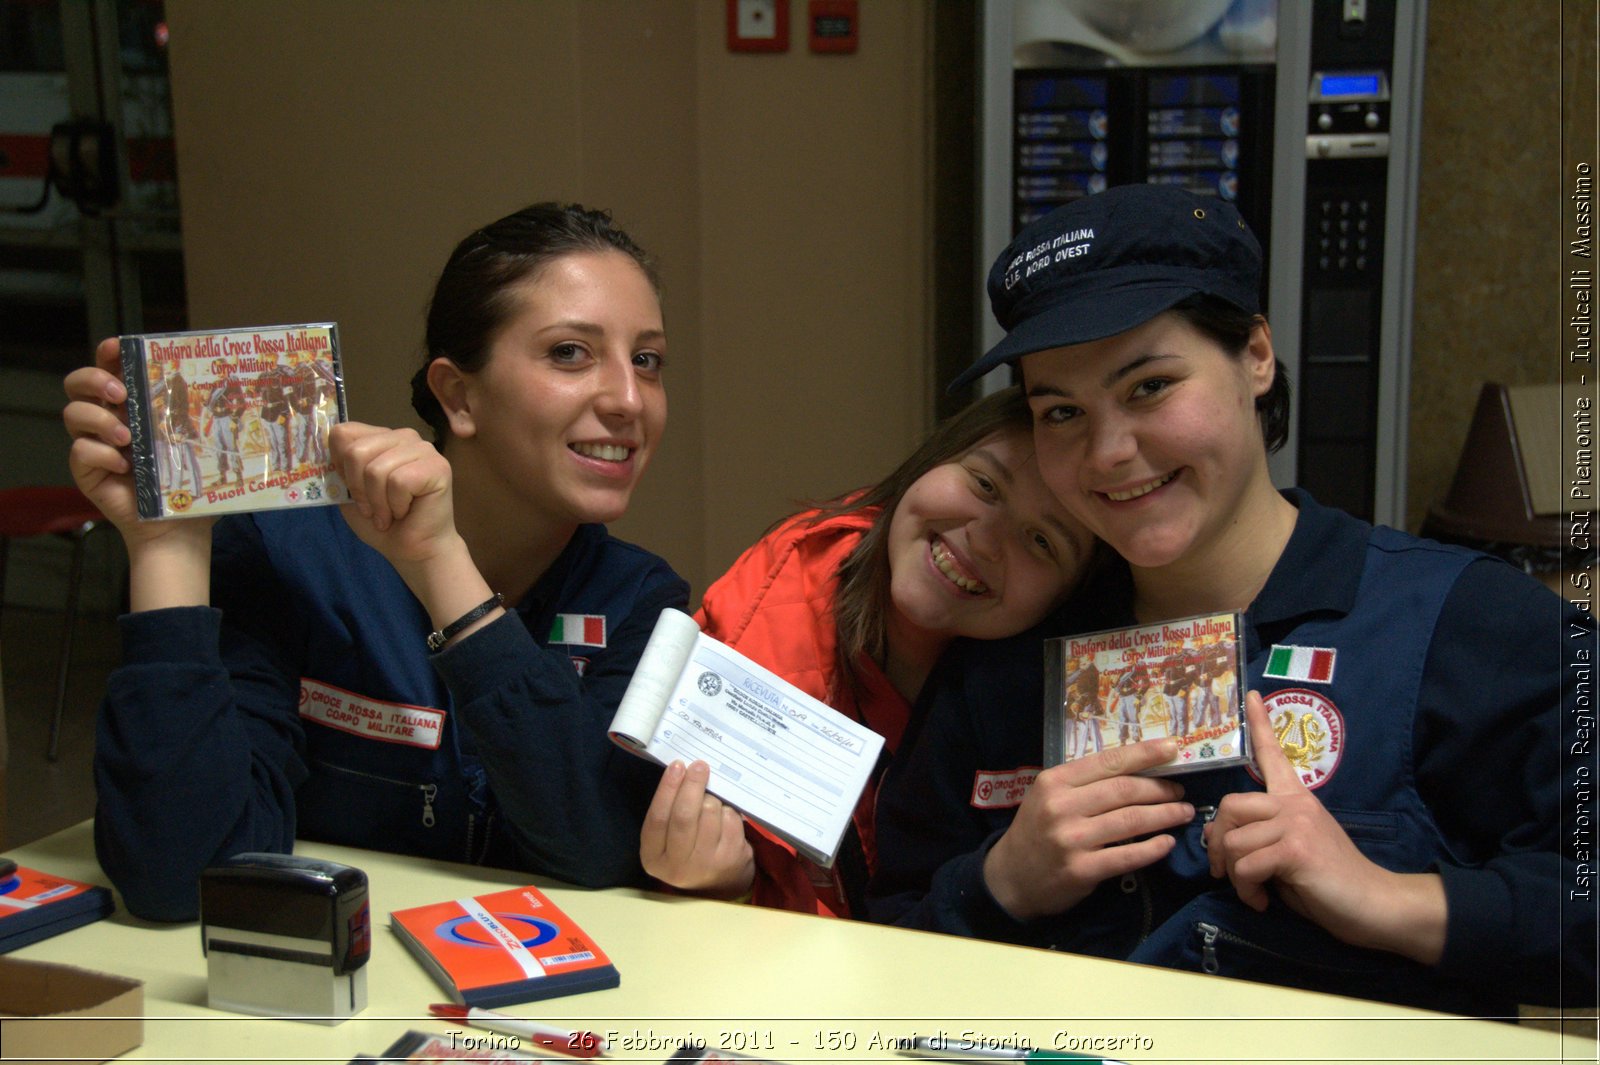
235,419
1180,678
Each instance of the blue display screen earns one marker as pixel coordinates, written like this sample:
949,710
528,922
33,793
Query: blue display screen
1340,85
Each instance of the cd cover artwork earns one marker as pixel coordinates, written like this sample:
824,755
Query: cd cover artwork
233,420
1178,678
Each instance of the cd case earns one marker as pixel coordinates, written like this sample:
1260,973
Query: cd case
1180,678
233,420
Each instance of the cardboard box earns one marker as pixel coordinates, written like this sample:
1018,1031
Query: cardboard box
54,1011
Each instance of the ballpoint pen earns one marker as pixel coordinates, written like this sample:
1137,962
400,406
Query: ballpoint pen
962,1050
577,1044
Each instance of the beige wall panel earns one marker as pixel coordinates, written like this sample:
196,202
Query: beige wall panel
330,155
423,121
813,237
1488,219
639,158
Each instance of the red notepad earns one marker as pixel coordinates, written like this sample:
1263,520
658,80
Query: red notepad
504,948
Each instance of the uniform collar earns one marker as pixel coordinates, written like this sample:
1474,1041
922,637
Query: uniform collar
1320,568
548,587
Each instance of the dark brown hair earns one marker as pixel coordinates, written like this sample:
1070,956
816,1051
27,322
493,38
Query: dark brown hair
861,604
471,300
1230,327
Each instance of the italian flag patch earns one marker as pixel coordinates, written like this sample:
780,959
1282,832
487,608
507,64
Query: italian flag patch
579,630
1301,663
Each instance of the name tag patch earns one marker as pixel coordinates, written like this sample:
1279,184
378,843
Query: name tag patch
992,790
414,726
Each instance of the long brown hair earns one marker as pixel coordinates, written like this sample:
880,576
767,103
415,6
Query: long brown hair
861,605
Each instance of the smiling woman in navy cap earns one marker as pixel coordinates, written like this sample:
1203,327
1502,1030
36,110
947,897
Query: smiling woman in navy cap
1415,854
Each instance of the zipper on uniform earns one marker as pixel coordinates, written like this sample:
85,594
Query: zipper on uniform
476,851
1209,934
1133,882
1204,815
429,791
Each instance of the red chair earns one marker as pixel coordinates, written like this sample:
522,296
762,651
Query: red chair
64,511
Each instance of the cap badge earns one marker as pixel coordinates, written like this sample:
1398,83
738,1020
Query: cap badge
1057,249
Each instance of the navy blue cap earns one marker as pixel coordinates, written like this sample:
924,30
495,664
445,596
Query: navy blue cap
1107,263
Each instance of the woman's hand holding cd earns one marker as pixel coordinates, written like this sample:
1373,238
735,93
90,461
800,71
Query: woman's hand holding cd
1286,837
169,561
1084,822
400,499
401,506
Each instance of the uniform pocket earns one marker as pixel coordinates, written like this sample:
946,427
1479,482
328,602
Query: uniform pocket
1219,935
1375,826
360,808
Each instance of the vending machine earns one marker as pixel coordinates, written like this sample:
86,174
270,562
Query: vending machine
1302,113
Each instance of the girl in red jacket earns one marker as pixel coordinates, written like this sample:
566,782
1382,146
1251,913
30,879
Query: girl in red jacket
853,602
